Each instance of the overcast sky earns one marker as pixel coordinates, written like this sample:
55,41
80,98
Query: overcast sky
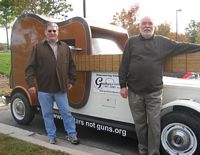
162,11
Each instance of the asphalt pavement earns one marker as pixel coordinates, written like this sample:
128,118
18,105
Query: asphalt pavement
42,140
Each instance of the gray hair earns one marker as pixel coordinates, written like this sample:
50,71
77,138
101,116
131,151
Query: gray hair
52,24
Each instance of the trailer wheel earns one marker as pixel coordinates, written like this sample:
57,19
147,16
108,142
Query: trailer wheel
180,134
21,110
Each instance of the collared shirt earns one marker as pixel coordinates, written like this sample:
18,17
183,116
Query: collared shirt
54,46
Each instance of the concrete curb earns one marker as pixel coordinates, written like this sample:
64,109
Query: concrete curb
28,137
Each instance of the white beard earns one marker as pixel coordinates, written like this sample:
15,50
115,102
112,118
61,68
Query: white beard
147,35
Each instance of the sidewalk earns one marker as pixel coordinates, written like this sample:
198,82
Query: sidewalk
42,140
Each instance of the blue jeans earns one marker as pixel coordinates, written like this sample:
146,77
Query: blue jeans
46,102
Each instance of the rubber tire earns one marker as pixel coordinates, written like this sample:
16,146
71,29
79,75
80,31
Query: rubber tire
187,119
29,111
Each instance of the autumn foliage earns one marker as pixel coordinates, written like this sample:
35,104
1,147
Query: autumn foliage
128,20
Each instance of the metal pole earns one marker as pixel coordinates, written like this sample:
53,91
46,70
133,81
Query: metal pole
177,23
84,9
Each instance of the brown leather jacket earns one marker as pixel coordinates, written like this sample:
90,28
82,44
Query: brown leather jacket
51,75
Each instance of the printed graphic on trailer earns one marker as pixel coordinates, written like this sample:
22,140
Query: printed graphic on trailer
106,83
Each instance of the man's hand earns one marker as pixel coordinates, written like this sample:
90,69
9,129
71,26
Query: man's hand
32,90
124,92
69,86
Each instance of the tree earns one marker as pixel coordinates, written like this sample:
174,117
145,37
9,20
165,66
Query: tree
181,37
7,15
198,36
163,29
10,9
192,31
46,7
126,19
134,29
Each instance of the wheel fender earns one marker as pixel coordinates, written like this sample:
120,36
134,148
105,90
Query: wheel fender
182,103
31,97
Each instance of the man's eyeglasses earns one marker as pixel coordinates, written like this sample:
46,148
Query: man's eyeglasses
52,31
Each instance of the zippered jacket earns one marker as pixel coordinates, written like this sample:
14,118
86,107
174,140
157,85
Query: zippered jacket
47,73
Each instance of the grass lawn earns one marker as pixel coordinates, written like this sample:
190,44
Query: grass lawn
5,63
13,146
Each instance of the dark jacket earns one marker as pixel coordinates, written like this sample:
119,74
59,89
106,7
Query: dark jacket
141,66
51,75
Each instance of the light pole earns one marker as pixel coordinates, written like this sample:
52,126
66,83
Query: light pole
84,9
177,23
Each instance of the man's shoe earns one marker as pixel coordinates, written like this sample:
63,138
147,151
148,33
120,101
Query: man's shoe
141,152
52,141
74,140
